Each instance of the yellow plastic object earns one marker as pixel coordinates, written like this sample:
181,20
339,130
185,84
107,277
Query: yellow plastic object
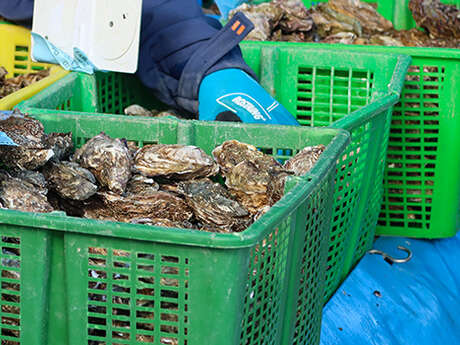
15,57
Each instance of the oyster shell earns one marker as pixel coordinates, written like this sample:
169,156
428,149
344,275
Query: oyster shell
137,110
132,147
213,205
139,184
28,133
8,86
108,159
131,206
17,194
35,178
352,22
72,208
441,20
253,178
61,144
278,18
70,180
264,17
174,161
302,162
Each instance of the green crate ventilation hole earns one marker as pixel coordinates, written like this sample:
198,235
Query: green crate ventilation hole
325,95
310,286
412,151
266,277
126,298
11,290
367,233
22,63
114,96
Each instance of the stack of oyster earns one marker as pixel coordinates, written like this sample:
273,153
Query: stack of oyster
164,185
8,86
352,22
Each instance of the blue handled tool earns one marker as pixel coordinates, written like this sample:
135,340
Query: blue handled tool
232,95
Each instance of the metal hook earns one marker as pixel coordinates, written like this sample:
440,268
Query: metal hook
392,259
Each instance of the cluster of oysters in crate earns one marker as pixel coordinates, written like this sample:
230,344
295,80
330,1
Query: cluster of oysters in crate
11,85
352,22
163,185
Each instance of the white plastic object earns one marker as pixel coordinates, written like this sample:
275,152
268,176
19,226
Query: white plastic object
107,31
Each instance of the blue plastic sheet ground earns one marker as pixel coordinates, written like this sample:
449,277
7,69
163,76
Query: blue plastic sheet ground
417,302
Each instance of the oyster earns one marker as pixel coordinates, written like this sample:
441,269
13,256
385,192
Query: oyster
72,208
28,133
352,22
61,144
253,178
132,147
278,18
108,159
213,206
174,161
70,180
441,20
264,17
8,86
137,110
35,178
131,206
302,162
17,194
139,184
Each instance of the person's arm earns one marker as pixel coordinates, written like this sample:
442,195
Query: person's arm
190,62
17,10
174,36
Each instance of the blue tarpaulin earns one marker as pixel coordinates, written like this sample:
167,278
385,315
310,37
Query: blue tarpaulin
417,302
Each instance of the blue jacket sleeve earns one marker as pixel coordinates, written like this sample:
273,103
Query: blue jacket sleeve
17,10
179,47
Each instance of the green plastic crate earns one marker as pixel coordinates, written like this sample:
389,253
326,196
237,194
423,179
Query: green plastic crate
360,79
356,92
91,282
422,174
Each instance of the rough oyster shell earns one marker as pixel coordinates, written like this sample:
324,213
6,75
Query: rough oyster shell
139,184
213,206
302,162
108,159
174,161
70,180
35,178
61,144
264,17
17,194
253,178
28,133
129,207
8,86
441,20
137,110
232,152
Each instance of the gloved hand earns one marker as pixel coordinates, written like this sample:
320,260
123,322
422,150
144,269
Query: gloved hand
232,95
